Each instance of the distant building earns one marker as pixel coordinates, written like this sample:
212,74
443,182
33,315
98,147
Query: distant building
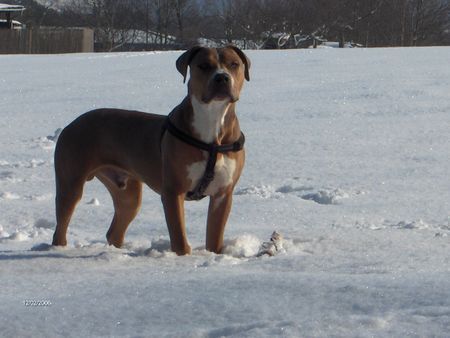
6,16
15,38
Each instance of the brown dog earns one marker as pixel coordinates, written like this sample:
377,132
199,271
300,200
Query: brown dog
196,151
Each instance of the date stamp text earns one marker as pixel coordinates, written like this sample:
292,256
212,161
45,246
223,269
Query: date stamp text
36,303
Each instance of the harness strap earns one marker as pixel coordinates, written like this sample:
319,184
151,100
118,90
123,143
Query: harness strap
213,149
220,148
199,191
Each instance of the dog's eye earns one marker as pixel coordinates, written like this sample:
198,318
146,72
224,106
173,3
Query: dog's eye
204,66
234,65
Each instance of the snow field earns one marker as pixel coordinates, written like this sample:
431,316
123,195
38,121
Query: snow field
347,157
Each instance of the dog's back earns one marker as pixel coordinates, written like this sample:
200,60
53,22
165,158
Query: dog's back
107,132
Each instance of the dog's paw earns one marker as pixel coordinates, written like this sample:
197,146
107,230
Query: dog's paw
184,250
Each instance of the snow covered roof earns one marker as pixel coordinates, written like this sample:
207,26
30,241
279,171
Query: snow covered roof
15,22
11,8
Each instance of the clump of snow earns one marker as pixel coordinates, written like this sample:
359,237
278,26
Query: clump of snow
39,197
3,233
419,224
243,246
160,244
19,236
307,192
9,196
9,176
159,248
55,135
47,142
295,246
35,163
326,196
441,234
262,191
27,233
289,188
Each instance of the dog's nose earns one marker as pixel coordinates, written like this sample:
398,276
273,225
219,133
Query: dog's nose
222,78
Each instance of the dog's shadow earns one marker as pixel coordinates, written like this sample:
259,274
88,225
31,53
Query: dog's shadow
241,248
93,250
13,255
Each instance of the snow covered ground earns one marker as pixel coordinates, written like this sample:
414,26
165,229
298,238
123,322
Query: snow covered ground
348,156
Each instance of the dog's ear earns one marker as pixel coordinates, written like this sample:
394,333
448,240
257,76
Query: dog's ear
185,59
244,59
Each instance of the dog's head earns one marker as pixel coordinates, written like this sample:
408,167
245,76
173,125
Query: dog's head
215,73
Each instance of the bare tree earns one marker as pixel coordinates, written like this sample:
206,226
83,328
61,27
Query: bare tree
411,23
180,7
112,20
164,10
417,15
430,20
367,22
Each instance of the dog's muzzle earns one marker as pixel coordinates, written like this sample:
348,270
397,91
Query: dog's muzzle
220,88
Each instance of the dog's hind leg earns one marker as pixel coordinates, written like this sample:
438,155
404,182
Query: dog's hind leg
68,194
126,193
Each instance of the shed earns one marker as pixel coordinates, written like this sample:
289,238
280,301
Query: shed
6,13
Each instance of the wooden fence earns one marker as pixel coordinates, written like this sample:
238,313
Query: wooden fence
46,41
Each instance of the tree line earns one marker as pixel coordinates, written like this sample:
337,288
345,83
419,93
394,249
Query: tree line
165,23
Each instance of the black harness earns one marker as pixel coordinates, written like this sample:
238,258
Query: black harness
213,149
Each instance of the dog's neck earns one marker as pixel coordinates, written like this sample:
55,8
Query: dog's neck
210,121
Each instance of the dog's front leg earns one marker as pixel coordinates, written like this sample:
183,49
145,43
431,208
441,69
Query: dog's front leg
174,210
218,211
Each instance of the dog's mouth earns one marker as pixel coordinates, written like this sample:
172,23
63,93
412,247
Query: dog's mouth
220,94
220,88
222,97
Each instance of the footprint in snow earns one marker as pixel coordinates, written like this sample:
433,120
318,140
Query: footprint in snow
324,196
8,196
47,142
38,198
9,176
55,135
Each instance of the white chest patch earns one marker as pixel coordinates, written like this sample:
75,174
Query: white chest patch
223,174
208,118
